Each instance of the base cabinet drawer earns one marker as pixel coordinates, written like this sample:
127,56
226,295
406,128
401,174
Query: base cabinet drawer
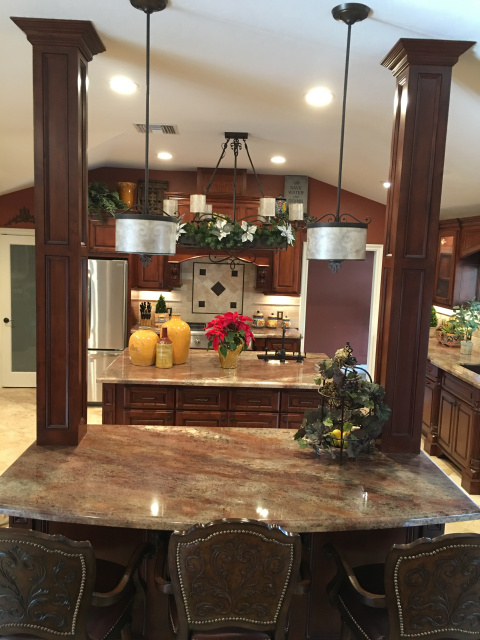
251,419
254,399
156,418
291,420
201,398
297,401
201,418
143,396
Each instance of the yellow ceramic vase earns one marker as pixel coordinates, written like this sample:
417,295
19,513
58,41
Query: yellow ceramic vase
230,360
142,347
179,333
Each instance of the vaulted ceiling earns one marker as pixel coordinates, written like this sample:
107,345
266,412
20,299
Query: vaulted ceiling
220,65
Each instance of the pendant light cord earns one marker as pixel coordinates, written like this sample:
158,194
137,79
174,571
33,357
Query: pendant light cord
147,117
342,129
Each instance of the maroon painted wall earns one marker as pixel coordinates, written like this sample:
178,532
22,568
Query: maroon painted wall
338,307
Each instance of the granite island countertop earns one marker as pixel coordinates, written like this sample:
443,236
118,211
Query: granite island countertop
165,478
450,359
203,369
263,332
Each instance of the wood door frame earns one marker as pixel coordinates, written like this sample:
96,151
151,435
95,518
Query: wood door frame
374,302
5,356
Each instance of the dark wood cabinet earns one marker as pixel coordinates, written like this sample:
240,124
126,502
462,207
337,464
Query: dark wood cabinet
152,277
206,406
101,236
283,273
457,262
274,344
431,406
459,428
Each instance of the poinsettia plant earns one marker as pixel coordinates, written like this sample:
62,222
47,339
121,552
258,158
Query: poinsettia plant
228,331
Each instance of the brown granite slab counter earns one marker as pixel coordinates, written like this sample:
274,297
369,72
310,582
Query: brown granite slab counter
168,478
450,359
203,369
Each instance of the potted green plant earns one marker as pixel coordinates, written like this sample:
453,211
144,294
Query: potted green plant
467,318
161,313
433,322
352,412
103,200
447,333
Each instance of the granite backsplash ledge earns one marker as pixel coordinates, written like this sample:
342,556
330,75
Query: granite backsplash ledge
209,289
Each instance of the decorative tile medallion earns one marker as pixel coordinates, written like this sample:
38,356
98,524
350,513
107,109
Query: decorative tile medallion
217,288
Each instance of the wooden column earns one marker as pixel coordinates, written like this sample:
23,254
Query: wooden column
423,70
61,52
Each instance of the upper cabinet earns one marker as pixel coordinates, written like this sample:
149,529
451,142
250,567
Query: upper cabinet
101,236
457,261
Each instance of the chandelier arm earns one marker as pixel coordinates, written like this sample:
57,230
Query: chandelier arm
222,155
342,128
253,169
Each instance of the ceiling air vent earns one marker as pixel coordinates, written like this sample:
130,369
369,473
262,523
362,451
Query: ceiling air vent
162,128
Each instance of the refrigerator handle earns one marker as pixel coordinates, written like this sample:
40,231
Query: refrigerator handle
89,302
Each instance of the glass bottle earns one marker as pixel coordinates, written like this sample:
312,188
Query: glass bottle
164,359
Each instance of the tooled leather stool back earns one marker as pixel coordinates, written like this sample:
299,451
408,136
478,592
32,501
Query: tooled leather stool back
234,577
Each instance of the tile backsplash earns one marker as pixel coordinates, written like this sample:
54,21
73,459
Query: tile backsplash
218,290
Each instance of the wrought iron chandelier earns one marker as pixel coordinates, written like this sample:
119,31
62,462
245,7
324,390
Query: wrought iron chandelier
237,240
337,237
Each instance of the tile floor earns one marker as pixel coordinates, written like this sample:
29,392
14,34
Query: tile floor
17,432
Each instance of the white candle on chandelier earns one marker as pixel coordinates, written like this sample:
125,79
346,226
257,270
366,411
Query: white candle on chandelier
170,207
267,207
295,211
198,203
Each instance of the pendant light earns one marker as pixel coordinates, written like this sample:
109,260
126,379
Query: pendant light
340,237
137,230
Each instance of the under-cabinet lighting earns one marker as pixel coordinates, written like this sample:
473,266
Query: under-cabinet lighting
154,508
445,312
263,513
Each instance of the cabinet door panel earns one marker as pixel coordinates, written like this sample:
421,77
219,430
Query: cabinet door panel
251,419
462,433
445,419
286,269
101,236
201,418
157,418
151,276
291,344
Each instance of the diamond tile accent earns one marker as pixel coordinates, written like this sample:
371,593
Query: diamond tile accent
218,288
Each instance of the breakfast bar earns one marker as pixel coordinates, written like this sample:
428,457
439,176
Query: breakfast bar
125,483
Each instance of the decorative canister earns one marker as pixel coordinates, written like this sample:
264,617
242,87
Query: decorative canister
272,321
126,191
287,322
258,320
164,358
179,333
141,346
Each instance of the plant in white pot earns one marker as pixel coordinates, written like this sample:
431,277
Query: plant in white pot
467,319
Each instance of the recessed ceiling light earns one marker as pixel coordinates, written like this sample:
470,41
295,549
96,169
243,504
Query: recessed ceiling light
123,85
164,155
387,184
319,97
277,159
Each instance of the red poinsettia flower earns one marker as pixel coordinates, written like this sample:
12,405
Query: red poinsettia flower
228,331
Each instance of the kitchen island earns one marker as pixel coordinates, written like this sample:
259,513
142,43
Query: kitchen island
201,393
138,480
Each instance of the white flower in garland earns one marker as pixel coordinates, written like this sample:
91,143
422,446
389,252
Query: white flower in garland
249,230
180,228
222,229
286,231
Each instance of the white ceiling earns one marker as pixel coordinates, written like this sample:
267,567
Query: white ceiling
224,65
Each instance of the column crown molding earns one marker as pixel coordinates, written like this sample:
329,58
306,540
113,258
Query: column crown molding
411,51
62,33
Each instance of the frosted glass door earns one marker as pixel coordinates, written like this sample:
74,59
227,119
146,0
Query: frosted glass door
18,311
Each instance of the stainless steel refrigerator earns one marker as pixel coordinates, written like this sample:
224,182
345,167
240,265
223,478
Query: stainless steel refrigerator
107,318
